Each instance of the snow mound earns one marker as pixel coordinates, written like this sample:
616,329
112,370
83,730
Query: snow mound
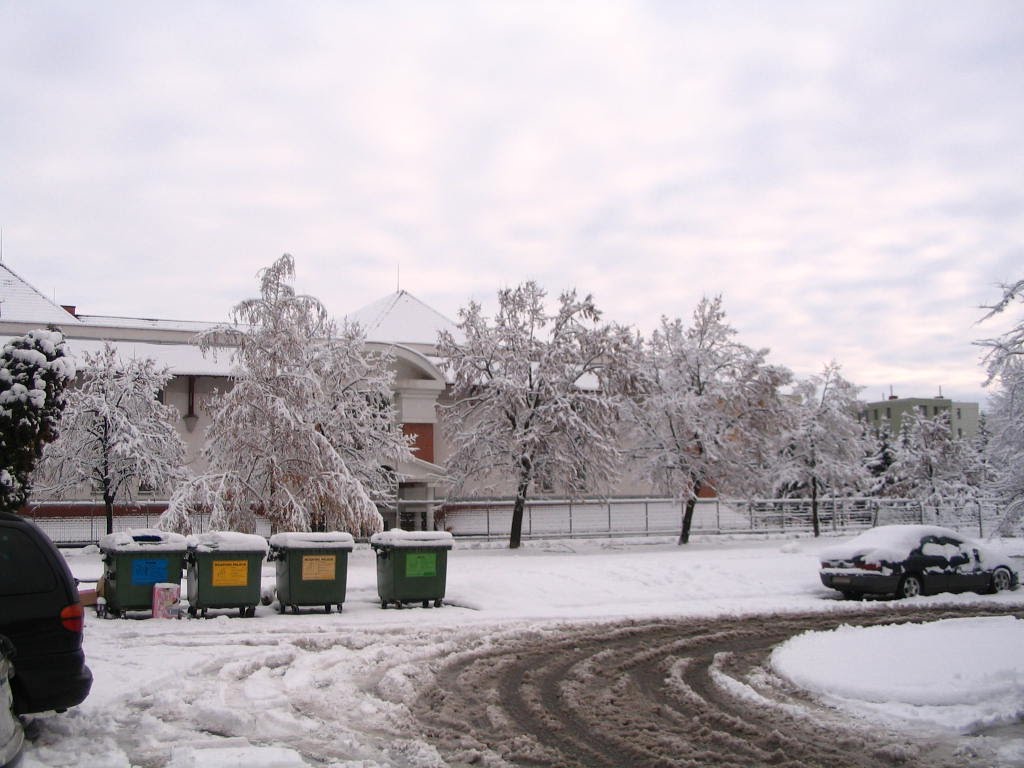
397,538
227,541
142,540
963,674
312,540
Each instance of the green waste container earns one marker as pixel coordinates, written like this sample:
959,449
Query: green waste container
411,566
311,568
224,570
134,561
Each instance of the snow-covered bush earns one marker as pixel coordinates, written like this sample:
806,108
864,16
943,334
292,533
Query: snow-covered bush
34,371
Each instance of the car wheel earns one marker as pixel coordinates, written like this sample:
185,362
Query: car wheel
1002,579
851,595
910,586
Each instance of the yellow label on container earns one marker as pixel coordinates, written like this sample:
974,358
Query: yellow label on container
318,567
230,573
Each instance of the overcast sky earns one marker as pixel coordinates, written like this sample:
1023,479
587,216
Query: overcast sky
847,176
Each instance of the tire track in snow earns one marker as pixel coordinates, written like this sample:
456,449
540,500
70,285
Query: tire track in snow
660,693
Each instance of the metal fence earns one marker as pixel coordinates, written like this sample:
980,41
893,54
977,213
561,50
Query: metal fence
77,524
660,517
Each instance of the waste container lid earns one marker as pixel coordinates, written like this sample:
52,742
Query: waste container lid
310,540
143,540
397,538
227,541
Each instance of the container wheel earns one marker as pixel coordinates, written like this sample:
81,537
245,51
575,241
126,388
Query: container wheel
192,611
339,607
281,607
383,603
327,608
437,603
426,603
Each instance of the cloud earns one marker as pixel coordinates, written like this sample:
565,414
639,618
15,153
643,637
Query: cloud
846,176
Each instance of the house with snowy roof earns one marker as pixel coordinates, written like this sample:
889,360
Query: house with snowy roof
399,322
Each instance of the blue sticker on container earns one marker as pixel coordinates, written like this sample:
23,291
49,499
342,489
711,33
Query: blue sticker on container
149,571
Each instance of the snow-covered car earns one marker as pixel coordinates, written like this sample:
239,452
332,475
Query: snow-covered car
12,736
911,560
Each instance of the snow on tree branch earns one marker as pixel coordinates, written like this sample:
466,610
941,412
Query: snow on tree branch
307,435
533,395
705,409
115,433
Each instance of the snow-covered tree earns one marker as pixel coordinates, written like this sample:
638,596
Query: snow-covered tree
307,436
823,443
1005,447
881,456
1004,362
532,397
34,371
115,434
1002,351
934,467
707,410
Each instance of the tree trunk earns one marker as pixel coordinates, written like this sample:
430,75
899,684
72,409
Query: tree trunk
517,522
522,489
814,507
691,505
108,503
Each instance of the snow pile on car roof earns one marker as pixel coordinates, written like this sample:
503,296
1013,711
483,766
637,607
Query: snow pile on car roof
889,542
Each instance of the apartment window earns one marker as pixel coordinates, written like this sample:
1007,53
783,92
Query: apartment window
959,432
888,413
924,410
958,414
875,417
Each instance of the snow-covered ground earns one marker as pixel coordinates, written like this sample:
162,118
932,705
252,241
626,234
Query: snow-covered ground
268,692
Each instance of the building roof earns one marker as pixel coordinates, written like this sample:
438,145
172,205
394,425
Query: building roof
21,303
147,323
180,359
401,318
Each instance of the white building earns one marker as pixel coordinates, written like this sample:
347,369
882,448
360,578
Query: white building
400,322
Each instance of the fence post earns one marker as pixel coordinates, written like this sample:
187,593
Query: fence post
609,516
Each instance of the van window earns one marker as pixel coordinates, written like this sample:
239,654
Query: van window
24,567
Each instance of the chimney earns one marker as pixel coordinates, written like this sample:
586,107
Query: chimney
69,308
